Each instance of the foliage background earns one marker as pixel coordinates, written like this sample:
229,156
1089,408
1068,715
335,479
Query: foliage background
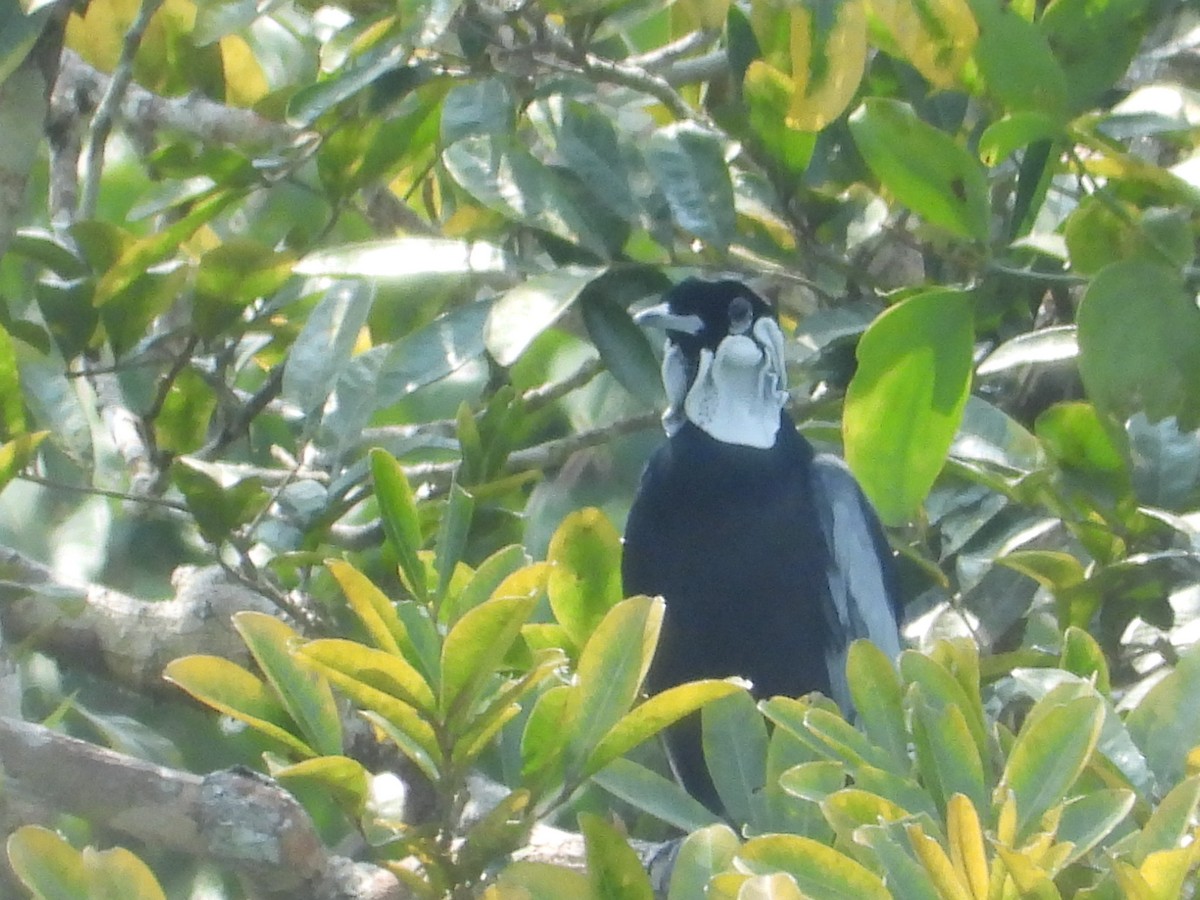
243,243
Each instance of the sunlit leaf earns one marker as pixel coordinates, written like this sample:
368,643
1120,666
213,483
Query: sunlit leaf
820,871
305,695
585,573
117,874
614,870
474,648
734,738
924,167
664,798
524,312
906,399
688,165
46,864
386,672
936,36
398,509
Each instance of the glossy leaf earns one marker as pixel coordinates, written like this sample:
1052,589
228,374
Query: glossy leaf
326,342
878,699
622,346
537,881
703,853
1139,333
734,738
906,399
407,257
452,536
611,669
235,692
819,871
524,312
585,574
474,649
371,606
306,696
385,672
925,168
117,874
655,794
339,776
827,57
936,37
1050,752
1017,62
398,509
652,716
614,870
1166,722
688,165
46,864
1073,28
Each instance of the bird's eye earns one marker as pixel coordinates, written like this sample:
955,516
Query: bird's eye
741,313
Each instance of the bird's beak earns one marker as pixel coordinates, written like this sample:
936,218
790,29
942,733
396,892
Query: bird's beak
660,316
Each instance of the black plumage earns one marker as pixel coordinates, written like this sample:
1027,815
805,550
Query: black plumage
769,557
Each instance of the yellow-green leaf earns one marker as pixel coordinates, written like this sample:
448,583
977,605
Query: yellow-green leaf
235,692
46,864
398,509
820,871
305,694
936,36
585,574
117,874
371,605
387,673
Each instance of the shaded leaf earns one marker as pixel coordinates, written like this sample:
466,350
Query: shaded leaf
688,165
614,870
398,509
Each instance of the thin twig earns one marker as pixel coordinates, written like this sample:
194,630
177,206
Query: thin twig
148,499
110,104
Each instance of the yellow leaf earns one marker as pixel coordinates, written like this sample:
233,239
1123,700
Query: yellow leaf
936,36
245,81
1166,870
942,872
827,66
966,845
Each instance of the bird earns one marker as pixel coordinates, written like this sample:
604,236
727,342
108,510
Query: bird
769,557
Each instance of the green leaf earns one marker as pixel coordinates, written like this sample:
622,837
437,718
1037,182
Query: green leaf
537,881
819,871
306,695
66,308
477,107
116,874
218,511
1077,438
398,509
326,342
407,257
734,737
527,310
945,682
622,346
46,864
1075,28
651,717
343,778
703,854
907,878
17,454
506,178
474,648
1165,725
1139,337
587,143
12,404
1090,818
235,692
1016,61
1051,751
542,747
611,669
947,758
688,165
585,574
614,870
452,536
1170,823
1081,655
768,96
386,672
1006,136
229,278
650,792
487,579
906,399
878,699
925,168
372,607
414,736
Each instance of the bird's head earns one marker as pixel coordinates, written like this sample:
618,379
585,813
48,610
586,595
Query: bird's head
723,362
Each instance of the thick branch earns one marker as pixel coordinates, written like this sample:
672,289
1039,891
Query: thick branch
239,820
127,639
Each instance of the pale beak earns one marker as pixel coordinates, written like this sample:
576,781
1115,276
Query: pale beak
660,316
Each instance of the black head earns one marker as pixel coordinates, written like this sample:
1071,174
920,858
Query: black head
723,362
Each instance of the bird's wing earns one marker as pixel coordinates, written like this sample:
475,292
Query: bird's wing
860,576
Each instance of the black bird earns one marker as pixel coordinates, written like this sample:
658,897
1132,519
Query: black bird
769,557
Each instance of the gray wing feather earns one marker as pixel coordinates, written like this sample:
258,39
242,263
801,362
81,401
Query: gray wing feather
859,585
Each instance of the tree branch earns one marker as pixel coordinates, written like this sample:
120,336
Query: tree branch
237,819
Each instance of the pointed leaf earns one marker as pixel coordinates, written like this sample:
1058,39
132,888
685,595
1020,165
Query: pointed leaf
524,312
651,717
611,669
820,871
474,648
306,695
383,671
614,870
372,607
734,737
235,692
398,508
650,792
405,257
878,699
688,166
